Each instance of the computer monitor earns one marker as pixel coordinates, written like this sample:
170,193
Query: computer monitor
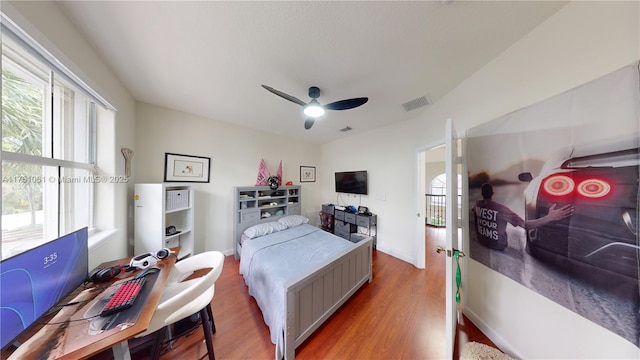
32,282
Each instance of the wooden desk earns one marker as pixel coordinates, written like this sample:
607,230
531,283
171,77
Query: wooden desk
67,335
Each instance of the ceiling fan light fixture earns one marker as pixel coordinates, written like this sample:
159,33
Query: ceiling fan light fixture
313,109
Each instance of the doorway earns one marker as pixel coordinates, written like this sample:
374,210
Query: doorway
430,169
430,164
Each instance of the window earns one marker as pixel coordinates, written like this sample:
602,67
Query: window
439,185
48,146
436,200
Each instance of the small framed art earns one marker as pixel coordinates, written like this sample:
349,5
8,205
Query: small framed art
186,168
307,174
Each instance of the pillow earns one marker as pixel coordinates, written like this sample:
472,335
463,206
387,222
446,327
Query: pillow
293,220
262,229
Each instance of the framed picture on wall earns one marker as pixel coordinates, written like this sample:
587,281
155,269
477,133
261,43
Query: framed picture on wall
186,168
307,174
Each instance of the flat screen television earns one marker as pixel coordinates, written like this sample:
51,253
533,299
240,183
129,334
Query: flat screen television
352,182
32,282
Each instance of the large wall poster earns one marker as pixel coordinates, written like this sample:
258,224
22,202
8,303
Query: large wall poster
553,199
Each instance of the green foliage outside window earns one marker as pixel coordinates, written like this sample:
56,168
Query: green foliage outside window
22,124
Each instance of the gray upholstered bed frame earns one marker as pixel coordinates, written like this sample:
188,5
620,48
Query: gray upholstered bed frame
312,297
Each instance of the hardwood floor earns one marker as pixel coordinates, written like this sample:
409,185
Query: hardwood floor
400,315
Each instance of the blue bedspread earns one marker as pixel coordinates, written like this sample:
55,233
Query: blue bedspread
268,262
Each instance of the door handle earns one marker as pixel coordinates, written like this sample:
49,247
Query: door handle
440,249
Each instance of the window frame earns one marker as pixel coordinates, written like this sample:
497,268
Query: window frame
60,77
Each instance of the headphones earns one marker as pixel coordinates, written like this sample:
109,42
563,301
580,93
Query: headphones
143,261
105,274
163,253
149,259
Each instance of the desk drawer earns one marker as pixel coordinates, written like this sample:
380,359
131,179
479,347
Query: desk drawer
344,227
294,209
366,221
350,218
326,208
249,215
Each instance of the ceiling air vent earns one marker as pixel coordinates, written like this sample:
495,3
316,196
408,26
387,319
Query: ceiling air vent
345,129
416,103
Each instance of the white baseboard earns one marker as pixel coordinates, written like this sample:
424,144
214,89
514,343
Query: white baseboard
492,335
228,252
397,255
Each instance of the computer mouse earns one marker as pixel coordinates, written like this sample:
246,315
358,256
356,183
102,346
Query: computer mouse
146,272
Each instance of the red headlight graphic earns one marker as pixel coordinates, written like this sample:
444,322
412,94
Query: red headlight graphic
558,185
594,188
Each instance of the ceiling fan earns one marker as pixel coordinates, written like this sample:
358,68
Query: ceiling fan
313,109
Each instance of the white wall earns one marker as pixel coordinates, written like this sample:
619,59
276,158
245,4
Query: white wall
49,26
388,156
235,154
583,41
433,169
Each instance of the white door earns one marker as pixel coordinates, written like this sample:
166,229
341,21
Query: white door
451,166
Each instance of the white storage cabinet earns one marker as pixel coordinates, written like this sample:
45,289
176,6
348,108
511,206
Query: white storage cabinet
158,206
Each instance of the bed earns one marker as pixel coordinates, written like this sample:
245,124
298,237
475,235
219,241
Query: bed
299,275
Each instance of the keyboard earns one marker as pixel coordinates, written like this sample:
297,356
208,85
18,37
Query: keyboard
124,296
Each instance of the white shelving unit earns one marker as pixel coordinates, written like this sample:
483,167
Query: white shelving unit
254,203
158,206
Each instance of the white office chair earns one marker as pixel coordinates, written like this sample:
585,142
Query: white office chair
183,299
186,267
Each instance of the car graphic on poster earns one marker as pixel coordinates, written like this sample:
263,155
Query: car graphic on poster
600,239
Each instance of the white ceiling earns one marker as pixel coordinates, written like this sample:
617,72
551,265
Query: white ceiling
210,58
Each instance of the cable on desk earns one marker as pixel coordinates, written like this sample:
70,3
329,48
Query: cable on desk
54,309
68,321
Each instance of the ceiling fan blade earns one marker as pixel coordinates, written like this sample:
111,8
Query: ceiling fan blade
309,123
285,96
346,104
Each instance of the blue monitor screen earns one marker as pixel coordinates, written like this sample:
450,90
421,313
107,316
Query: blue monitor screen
34,281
